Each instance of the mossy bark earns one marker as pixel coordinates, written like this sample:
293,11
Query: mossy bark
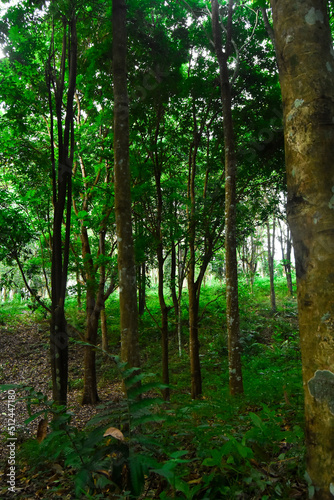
306,68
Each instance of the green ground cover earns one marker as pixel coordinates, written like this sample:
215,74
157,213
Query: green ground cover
247,447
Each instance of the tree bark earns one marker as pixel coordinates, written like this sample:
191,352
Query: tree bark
90,395
232,299
306,69
193,290
287,264
126,256
271,251
286,255
141,288
62,191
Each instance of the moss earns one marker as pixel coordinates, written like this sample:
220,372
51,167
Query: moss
321,387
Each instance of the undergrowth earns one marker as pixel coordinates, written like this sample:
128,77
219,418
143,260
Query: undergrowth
217,447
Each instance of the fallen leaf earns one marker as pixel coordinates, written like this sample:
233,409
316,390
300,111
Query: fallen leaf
42,430
116,433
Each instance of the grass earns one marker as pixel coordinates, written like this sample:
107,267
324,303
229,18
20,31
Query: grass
218,446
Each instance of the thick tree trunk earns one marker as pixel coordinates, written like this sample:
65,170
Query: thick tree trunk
306,70
126,256
232,299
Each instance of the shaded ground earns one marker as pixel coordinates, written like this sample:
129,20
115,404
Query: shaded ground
25,360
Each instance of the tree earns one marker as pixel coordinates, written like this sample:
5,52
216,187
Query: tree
62,196
270,257
305,59
232,304
126,256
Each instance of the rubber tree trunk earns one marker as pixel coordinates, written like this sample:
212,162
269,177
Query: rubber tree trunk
195,365
286,254
126,256
232,299
142,288
287,264
164,323
193,288
90,395
62,191
271,251
161,261
306,70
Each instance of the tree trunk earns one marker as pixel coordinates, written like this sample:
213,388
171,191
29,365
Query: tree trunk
90,395
193,292
181,271
164,321
173,281
126,256
142,288
286,255
271,250
104,330
195,366
62,191
232,300
305,60
92,316
288,262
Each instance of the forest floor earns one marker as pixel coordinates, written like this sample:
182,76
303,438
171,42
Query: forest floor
24,347
216,447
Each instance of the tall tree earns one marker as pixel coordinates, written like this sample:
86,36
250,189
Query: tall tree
306,68
62,192
270,258
232,304
126,255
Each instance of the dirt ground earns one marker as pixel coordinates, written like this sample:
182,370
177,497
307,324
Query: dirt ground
25,360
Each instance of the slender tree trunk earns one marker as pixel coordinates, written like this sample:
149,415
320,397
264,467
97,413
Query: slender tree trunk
142,288
232,299
90,395
173,281
126,255
78,280
306,70
288,261
104,329
164,322
181,272
286,256
271,250
62,191
195,366
193,292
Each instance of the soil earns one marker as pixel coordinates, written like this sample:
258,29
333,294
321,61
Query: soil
25,361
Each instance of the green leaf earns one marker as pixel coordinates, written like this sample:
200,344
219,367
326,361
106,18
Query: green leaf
256,420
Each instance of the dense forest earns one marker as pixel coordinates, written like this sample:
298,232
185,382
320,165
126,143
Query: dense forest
167,249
